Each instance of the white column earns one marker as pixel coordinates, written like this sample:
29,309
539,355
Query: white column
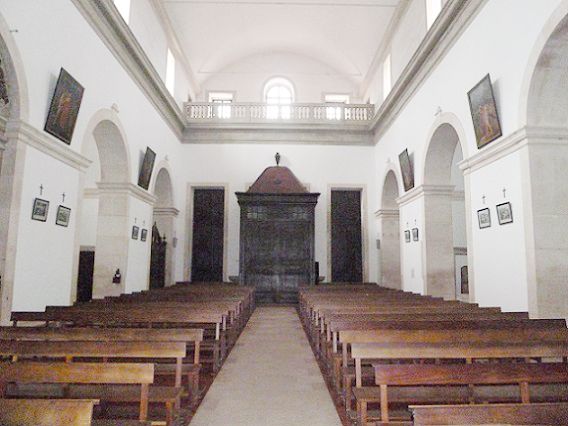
389,228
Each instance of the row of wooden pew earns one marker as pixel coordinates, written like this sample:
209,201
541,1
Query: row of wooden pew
400,358
147,350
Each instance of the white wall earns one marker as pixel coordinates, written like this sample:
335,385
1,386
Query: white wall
318,166
311,78
502,48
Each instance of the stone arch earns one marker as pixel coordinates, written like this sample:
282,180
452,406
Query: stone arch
544,109
164,218
445,220
389,224
104,209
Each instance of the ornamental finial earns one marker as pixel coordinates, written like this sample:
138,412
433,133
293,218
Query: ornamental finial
277,157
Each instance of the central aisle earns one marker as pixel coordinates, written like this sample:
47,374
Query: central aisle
271,378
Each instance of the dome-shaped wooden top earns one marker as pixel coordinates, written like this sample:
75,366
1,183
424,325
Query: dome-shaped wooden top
277,180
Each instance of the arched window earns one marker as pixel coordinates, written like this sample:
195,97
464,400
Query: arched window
278,94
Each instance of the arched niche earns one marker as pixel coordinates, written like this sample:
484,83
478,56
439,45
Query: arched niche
389,225
165,219
445,235
104,208
544,108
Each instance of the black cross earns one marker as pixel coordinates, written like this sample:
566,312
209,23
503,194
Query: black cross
41,190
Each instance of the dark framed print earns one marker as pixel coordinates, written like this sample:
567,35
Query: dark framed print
406,169
63,216
64,107
135,231
484,112
484,218
40,210
415,234
505,213
143,235
146,169
407,235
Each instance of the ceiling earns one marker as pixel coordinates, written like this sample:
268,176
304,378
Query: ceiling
344,34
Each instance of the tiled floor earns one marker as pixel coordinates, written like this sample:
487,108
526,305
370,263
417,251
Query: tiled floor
270,378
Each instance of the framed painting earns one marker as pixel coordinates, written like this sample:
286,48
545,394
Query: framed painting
40,210
407,235
143,235
135,232
505,213
484,112
63,216
64,107
146,169
484,218
406,169
414,234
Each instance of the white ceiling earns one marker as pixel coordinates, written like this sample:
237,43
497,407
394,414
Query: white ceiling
344,34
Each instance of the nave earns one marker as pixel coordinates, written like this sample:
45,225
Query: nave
204,354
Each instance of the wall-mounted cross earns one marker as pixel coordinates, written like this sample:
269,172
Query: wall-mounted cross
63,197
483,199
40,189
504,193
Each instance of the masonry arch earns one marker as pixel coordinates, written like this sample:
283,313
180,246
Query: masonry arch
445,233
389,226
104,231
162,265
544,109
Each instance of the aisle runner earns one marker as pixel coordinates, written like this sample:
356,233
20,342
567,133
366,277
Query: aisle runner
271,378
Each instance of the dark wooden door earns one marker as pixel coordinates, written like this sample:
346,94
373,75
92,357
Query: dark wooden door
208,233
346,241
85,276
158,259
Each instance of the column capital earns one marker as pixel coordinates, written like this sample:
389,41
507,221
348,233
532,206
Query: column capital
129,189
166,211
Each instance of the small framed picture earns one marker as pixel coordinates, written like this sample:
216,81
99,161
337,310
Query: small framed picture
144,235
135,231
415,234
484,218
407,235
63,216
40,210
504,213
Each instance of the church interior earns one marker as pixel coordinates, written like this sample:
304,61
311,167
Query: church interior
283,212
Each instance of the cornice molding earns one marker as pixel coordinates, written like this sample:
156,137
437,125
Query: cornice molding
424,191
525,136
387,214
45,143
166,211
453,20
307,134
126,189
117,36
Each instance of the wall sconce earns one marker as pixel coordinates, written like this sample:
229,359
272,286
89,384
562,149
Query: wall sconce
117,277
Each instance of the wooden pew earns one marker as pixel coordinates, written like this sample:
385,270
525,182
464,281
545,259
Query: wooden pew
81,373
518,414
128,351
47,412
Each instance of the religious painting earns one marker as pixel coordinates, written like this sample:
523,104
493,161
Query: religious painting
144,235
40,210
407,235
414,234
505,213
135,232
63,216
484,112
406,170
484,218
146,169
64,107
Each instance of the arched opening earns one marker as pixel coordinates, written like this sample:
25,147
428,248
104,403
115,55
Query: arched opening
389,225
13,106
163,232
278,94
547,197
445,235
103,229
